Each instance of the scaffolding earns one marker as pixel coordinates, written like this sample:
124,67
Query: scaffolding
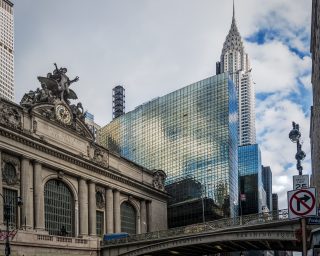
118,103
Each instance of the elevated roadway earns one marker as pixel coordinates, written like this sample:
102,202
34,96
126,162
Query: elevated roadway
265,231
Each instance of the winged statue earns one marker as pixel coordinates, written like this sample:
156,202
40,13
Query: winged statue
58,83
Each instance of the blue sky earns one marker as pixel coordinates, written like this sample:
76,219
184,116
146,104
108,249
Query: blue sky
155,47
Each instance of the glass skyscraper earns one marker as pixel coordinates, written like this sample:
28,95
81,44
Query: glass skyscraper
250,177
191,132
267,184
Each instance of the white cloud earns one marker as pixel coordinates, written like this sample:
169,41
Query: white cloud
274,117
275,67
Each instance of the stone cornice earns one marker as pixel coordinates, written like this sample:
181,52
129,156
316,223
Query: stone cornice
45,147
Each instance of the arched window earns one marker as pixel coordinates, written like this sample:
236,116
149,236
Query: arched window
128,218
59,209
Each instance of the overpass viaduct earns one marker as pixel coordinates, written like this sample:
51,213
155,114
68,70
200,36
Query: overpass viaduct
273,231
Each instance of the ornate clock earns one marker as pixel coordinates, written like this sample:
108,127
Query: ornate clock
63,114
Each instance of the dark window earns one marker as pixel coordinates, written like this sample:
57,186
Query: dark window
59,209
128,218
10,197
99,223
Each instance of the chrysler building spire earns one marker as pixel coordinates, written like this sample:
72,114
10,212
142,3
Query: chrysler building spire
235,60
233,16
233,40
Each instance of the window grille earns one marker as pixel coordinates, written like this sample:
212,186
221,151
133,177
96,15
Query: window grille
59,209
99,222
10,197
128,218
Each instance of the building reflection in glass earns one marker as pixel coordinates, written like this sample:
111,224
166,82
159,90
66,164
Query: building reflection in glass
191,132
250,175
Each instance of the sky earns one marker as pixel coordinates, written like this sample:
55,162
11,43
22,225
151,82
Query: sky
154,47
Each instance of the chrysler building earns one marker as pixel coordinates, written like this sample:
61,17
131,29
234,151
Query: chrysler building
235,60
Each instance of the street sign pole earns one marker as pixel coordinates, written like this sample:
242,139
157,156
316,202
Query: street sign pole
304,236
302,204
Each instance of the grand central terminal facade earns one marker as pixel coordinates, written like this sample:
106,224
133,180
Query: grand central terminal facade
73,190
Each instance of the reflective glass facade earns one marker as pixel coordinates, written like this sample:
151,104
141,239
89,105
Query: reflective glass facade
189,132
250,176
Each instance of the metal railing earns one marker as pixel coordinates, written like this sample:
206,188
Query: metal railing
218,225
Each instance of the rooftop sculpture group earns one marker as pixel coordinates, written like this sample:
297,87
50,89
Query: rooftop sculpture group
54,87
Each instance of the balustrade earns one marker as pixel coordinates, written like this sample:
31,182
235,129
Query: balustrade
246,220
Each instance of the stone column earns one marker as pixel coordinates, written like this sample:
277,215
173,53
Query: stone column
116,210
109,210
143,216
83,207
1,191
26,194
92,209
38,197
149,216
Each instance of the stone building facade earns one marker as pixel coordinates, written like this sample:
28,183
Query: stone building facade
73,190
315,109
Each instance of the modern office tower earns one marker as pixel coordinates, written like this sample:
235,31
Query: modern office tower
6,50
267,185
315,109
275,206
250,177
185,206
89,120
188,203
191,132
235,60
118,102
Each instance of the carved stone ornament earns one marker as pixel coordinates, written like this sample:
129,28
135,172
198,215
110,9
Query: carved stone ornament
52,100
10,170
100,198
34,126
47,111
10,116
98,156
159,177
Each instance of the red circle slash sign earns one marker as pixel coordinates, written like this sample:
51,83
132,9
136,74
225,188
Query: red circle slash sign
302,199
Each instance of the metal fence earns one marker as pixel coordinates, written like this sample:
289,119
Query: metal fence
245,220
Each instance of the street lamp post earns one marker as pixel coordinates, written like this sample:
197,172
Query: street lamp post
203,194
295,136
7,208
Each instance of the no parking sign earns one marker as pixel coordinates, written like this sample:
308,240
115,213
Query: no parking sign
302,203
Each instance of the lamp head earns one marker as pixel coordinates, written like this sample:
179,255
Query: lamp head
294,135
300,155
